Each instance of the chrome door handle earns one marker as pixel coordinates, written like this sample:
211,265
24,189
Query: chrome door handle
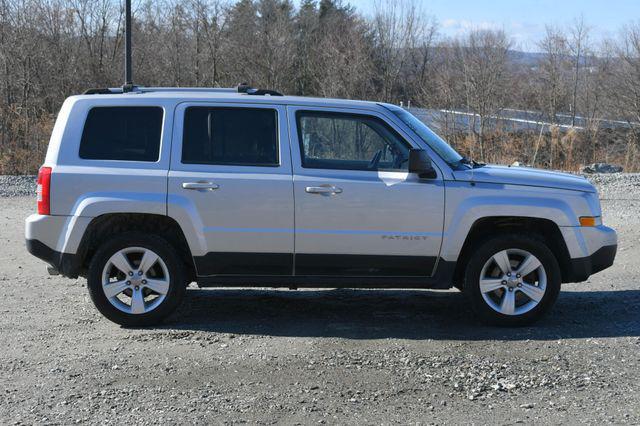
201,186
324,190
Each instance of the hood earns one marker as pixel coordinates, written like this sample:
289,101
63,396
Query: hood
525,176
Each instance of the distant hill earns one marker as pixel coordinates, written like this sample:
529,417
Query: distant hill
528,59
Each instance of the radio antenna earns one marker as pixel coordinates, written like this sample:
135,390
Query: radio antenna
128,65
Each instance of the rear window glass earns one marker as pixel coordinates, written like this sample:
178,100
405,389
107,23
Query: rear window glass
230,136
122,133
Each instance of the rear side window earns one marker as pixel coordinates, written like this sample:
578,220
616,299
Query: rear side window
122,133
230,136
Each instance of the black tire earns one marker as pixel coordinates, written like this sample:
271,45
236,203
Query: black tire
168,255
484,251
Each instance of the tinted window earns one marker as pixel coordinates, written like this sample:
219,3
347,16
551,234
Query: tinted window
234,136
122,133
351,142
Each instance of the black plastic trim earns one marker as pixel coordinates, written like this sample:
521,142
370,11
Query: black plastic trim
65,263
276,269
443,279
98,91
339,265
580,269
224,263
263,92
364,265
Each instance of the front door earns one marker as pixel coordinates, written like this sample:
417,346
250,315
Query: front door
358,212
230,180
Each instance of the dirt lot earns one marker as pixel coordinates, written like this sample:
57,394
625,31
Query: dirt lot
327,356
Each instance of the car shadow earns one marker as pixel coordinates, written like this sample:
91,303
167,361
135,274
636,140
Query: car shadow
404,314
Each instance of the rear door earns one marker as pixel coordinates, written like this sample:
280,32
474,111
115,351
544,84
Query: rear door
231,182
358,210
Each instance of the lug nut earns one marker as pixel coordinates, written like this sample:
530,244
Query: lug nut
144,281
510,288
519,285
504,283
508,274
130,273
128,282
139,272
518,275
137,288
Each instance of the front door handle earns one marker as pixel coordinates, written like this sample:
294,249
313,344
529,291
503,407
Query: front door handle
323,190
201,186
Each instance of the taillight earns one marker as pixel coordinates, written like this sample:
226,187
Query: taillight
44,190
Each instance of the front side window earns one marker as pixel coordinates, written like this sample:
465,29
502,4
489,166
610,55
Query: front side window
122,133
349,142
230,136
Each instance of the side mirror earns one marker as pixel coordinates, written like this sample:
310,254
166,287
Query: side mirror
420,163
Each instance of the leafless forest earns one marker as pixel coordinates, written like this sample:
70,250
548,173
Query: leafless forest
50,49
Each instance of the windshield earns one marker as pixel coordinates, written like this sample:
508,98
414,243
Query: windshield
434,141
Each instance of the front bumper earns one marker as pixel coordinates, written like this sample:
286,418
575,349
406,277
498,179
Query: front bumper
581,268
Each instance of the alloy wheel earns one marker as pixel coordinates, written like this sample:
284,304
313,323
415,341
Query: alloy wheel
135,280
513,282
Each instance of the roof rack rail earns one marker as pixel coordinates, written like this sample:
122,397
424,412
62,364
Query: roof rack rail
241,88
245,88
142,89
99,91
186,89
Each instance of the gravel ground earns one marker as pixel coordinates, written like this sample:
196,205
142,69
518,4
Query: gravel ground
15,186
319,356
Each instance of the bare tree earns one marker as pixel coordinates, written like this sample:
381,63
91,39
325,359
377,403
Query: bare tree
625,85
306,39
274,57
423,65
212,18
553,72
577,46
592,99
343,55
397,31
482,56
448,86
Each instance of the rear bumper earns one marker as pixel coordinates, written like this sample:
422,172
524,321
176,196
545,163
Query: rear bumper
55,239
582,268
65,263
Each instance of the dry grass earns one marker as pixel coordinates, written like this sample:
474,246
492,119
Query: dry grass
557,149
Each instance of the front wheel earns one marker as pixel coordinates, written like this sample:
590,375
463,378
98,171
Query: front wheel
512,280
136,279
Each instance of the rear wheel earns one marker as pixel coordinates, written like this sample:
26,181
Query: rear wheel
136,279
512,280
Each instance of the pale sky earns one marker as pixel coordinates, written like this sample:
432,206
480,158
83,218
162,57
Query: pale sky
524,20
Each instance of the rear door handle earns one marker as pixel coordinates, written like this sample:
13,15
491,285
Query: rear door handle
201,186
323,190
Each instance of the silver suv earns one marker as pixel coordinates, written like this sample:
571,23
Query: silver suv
143,192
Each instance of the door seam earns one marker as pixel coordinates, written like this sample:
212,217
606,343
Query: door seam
293,191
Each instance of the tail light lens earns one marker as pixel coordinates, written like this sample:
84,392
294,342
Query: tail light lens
44,190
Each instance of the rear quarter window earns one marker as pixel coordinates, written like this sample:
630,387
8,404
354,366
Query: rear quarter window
122,133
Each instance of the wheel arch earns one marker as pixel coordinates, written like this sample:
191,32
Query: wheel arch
107,225
544,229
